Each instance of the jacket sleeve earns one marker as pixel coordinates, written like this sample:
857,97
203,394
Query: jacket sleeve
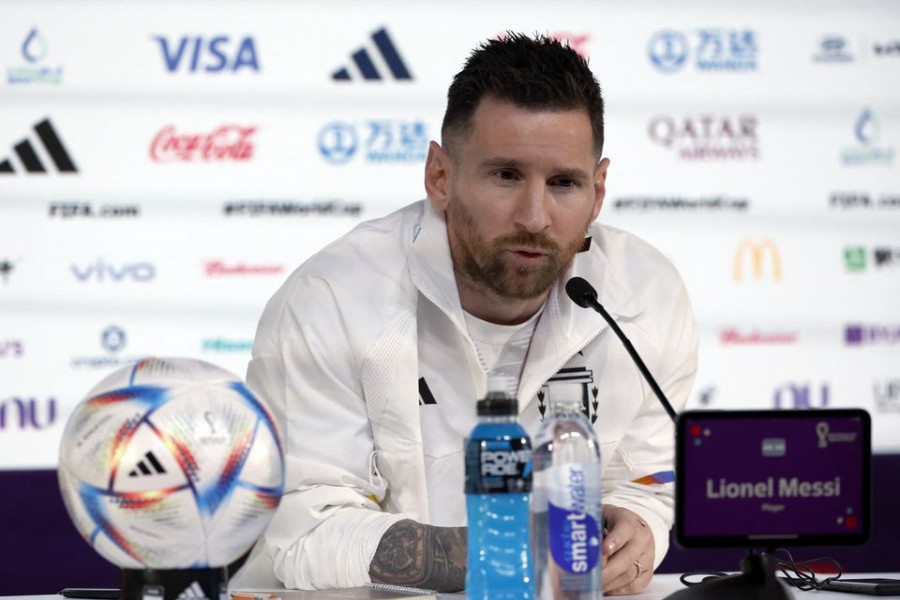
329,523
640,475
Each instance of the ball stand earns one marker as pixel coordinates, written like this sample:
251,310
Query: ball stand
174,584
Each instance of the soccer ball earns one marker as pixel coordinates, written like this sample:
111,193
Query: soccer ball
171,463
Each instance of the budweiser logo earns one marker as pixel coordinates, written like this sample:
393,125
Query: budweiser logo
227,142
217,268
733,336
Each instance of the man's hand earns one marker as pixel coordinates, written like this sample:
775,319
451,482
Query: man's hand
628,552
422,556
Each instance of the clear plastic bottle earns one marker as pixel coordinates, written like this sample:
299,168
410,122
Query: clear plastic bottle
567,507
498,496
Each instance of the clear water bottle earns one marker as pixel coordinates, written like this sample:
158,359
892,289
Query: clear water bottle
498,495
568,514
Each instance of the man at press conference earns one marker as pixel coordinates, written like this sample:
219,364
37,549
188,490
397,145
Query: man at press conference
373,353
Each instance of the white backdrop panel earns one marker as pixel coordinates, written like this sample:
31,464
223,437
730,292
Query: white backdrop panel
213,152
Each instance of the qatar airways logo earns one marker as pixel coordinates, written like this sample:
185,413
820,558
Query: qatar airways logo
707,137
225,143
219,268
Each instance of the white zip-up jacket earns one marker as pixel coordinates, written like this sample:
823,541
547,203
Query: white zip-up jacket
369,334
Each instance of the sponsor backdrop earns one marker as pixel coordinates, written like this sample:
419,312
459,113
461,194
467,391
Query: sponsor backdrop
164,166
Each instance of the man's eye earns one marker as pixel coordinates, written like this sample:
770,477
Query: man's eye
565,182
506,175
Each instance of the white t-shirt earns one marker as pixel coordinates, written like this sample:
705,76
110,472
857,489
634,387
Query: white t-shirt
502,350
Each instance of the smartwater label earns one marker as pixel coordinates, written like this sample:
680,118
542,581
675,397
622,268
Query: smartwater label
573,516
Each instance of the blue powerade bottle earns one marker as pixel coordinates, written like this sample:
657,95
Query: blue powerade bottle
498,497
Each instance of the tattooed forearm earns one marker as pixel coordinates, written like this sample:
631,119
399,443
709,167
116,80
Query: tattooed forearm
421,556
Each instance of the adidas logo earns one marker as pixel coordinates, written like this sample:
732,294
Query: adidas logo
29,158
148,466
425,395
365,61
192,592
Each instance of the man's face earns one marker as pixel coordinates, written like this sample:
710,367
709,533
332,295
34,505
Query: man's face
523,188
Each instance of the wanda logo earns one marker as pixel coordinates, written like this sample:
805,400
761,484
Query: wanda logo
225,143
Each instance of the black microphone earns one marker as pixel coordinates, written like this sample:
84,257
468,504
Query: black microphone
584,295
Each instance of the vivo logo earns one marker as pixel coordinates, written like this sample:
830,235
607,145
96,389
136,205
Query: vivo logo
802,396
213,55
27,413
11,349
101,271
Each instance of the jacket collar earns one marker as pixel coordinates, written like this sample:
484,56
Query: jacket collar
564,327
432,271
430,264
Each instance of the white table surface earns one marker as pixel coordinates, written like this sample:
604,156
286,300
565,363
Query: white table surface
659,588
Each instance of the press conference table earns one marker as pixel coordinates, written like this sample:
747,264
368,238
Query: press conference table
659,588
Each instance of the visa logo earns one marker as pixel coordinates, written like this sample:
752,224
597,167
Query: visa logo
212,55
100,270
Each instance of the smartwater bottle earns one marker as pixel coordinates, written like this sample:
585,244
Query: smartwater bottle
568,514
498,495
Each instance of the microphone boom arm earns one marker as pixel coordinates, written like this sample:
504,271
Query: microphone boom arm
583,294
636,358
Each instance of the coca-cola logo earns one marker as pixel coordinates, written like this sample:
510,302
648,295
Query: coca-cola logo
225,143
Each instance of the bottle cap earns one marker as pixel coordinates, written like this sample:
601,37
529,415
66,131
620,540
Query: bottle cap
497,404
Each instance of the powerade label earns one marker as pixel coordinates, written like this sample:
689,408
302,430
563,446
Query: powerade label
498,466
572,516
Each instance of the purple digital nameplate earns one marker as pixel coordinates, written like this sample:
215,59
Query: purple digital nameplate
772,477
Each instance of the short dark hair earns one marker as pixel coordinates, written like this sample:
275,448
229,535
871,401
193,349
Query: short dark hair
536,73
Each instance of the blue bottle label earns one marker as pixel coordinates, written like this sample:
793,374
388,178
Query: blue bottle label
498,466
574,532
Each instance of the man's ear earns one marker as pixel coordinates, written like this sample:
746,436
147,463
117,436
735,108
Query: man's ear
599,186
437,176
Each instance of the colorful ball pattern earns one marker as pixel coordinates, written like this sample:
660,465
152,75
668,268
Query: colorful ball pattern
171,463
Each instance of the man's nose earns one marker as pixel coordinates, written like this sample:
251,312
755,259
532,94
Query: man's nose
532,214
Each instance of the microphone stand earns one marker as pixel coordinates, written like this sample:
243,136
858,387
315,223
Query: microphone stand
757,581
583,294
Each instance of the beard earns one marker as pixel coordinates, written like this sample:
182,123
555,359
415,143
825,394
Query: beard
489,265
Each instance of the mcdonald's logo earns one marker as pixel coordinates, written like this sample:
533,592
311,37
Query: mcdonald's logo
757,253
